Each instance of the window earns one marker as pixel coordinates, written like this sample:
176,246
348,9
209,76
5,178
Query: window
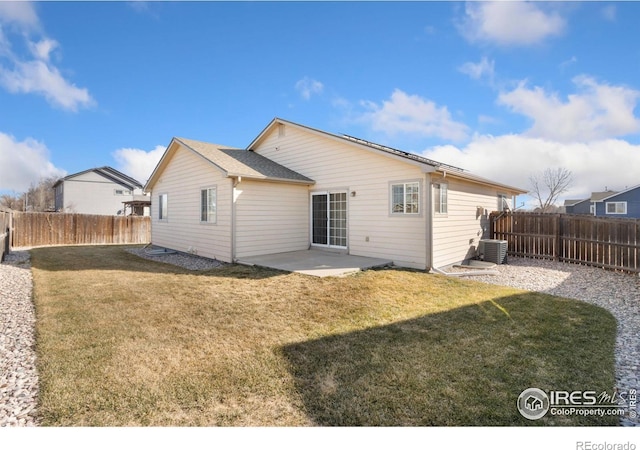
616,207
208,201
405,198
440,197
592,209
502,202
162,206
122,192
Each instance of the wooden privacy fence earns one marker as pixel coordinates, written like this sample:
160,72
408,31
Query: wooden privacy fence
596,241
34,229
5,232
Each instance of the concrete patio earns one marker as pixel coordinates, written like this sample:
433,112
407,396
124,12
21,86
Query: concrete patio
317,263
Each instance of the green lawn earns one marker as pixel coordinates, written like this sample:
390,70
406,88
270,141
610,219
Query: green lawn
124,341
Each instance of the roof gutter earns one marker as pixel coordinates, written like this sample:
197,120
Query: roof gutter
272,179
479,180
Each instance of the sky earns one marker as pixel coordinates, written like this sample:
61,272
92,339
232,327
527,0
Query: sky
504,90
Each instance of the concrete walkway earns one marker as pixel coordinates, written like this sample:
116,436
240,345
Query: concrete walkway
318,263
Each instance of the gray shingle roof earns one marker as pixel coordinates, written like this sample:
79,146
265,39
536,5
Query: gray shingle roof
109,173
597,196
244,163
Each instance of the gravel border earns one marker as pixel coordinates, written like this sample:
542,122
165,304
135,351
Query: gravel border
184,260
18,375
617,292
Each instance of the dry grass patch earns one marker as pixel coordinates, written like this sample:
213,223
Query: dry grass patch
126,341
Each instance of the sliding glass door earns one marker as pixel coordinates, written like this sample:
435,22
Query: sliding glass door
329,219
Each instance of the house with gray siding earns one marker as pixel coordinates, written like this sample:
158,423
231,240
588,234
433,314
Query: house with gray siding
101,191
295,187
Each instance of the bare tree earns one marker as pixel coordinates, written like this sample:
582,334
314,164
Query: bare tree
40,197
547,186
15,202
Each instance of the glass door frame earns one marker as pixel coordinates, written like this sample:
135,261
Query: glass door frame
329,218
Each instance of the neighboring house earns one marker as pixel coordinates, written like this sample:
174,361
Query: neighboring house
102,191
295,188
587,205
568,206
623,204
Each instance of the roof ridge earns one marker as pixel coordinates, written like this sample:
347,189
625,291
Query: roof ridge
403,153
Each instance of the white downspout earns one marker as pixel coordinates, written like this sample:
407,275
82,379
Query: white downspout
234,183
429,220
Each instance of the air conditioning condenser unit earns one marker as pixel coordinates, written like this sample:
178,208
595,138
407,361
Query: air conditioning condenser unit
493,250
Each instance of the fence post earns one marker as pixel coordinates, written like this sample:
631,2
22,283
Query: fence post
558,228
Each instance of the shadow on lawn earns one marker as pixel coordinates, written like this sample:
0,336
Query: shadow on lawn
463,367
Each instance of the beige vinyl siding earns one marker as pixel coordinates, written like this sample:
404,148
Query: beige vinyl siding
185,175
341,166
271,218
457,233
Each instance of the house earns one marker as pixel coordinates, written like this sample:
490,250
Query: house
587,205
295,187
103,191
533,403
623,204
568,205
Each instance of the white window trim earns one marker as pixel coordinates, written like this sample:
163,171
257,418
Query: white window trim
165,217
215,217
404,184
439,202
606,207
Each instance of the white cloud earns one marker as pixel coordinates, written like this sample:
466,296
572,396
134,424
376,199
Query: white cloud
484,68
568,62
484,119
137,163
411,114
509,23
308,86
597,111
41,78
511,159
35,73
42,49
21,13
23,163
